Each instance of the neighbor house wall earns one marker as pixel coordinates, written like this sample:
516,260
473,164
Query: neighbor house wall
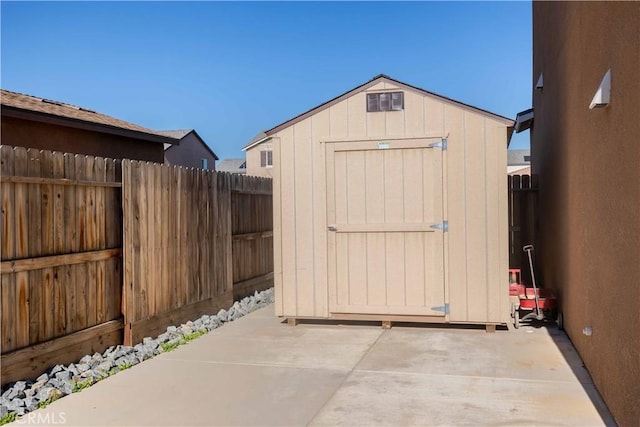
476,190
588,162
253,161
44,136
189,153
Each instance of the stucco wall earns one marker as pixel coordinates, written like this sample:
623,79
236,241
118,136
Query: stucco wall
25,133
588,163
190,153
253,161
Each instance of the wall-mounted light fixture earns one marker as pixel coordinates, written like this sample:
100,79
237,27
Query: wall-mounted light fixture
539,85
603,94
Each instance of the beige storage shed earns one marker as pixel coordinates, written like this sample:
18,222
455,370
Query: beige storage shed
390,204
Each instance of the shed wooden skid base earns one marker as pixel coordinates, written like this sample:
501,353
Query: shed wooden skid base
387,321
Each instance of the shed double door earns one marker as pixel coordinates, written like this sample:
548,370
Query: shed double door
384,206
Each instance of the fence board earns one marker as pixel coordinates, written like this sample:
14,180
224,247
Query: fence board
21,197
8,204
47,327
22,320
58,205
34,234
70,237
46,203
80,204
9,315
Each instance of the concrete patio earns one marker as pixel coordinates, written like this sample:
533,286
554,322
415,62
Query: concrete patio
258,371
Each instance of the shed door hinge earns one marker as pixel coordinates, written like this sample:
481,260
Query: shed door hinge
442,308
444,226
442,144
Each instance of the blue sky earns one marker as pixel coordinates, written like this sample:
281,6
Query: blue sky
232,69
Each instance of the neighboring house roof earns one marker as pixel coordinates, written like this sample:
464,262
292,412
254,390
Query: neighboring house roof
518,157
180,134
59,113
372,82
232,165
524,120
519,170
257,139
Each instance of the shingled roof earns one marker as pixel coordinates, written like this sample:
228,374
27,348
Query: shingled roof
29,107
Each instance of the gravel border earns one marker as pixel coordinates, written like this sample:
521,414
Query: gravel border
21,397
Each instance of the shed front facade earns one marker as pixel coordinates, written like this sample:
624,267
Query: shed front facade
390,203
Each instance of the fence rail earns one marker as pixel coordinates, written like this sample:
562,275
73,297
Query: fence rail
97,252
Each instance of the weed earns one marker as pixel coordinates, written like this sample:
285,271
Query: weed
79,386
194,335
8,418
169,346
44,403
125,365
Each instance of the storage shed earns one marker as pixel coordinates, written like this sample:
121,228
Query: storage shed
390,204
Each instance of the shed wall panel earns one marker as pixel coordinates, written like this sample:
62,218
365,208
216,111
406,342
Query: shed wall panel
414,124
357,107
376,124
456,196
288,222
434,120
277,229
339,119
494,233
320,132
304,237
475,217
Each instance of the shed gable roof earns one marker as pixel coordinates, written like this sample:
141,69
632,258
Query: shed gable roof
377,79
45,110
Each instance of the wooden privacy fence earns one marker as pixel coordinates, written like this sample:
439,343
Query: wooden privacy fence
252,234
194,240
61,265
93,246
523,220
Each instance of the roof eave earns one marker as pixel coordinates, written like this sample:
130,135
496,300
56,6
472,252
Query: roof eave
206,146
53,119
258,142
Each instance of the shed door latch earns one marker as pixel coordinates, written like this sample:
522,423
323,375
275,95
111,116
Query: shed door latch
332,228
444,226
442,144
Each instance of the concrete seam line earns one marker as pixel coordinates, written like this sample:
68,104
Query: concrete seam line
266,365
366,353
479,377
